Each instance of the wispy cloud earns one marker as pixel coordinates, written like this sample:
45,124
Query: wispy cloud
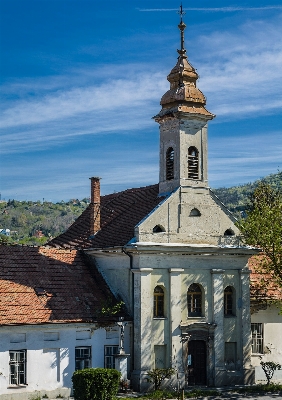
241,71
242,159
212,9
241,76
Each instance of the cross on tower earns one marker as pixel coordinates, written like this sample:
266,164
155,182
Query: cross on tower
181,27
181,12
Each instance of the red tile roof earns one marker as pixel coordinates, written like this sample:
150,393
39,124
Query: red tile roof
263,286
120,213
40,285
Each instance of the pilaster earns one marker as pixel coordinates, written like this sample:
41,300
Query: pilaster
175,319
246,326
218,319
143,305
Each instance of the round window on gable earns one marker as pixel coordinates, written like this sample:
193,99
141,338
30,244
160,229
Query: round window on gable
158,229
229,232
195,213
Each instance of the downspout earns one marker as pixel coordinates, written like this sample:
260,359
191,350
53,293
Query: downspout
132,300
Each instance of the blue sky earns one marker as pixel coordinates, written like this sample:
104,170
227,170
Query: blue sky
81,79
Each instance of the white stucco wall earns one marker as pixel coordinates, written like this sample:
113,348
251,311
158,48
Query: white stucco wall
51,363
272,344
115,269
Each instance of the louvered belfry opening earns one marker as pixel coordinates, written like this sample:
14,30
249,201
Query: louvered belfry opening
169,164
193,163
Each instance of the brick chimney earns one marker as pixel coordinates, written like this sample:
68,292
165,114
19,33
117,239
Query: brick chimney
95,201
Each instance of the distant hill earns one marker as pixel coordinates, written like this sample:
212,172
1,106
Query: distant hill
236,198
35,222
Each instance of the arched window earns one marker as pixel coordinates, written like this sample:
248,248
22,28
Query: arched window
193,163
158,302
194,300
169,163
158,229
228,301
229,232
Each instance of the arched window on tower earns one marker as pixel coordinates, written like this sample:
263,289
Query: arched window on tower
158,302
194,300
169,164
193,163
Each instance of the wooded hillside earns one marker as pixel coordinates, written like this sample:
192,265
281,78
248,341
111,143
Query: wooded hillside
37,222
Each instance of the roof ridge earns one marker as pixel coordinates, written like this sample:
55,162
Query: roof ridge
116,194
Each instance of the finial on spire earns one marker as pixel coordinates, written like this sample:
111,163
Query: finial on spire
181,26
181,12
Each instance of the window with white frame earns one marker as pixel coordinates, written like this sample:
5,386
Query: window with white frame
17,367
82,357
110,352
257,338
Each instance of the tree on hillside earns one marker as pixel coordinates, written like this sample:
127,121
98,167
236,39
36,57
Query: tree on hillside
263,228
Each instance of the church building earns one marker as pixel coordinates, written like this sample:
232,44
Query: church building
172,253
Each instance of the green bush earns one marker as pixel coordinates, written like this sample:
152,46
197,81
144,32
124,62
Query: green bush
95,384
157,375
269,367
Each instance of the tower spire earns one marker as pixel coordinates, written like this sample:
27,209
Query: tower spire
182,26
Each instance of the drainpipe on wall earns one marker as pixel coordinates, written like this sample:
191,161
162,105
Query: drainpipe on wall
132,294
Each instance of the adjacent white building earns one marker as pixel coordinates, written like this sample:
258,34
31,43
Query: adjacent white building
51,322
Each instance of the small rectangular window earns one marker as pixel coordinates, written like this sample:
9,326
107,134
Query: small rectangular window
82,357
18,338
83,335
110,352
51,336
17,367
160,356
257,338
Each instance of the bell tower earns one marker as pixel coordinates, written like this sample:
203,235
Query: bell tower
183,126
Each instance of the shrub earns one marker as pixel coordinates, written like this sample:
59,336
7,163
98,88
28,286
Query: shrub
269,368
158,375
95,384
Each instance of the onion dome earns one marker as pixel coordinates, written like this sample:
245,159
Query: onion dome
183,94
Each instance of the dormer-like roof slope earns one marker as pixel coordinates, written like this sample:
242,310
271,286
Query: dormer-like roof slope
119,214
47,285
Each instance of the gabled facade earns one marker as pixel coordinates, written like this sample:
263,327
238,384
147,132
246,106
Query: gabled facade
172,253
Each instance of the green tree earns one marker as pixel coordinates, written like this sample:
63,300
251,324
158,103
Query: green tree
263,228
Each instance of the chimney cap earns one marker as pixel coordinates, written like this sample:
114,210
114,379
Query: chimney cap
97,178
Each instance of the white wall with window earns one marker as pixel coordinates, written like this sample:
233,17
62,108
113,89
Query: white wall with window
43,358
266,328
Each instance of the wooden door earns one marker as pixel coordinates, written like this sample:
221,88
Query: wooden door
197,362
